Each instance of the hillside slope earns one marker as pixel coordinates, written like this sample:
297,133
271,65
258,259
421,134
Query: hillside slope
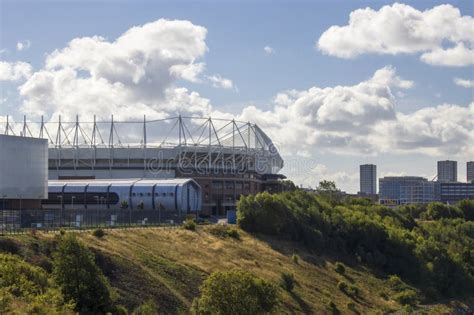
168,266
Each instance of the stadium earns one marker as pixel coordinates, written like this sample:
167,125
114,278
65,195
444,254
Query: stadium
226,158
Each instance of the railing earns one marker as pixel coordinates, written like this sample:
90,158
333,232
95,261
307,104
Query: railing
20,221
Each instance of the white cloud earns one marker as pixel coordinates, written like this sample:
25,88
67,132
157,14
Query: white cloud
220,82
338,117
23,45
15,71
444,129
468,84
442,34
269,50
362,119
135,74
457,56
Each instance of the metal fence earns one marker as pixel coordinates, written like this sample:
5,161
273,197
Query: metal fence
18,221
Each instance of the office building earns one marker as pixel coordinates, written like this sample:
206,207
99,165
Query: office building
401,190
368,179
470,171
453,192
447,171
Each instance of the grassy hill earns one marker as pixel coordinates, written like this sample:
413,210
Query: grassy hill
168,265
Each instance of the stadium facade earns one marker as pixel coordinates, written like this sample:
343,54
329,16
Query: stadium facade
227,158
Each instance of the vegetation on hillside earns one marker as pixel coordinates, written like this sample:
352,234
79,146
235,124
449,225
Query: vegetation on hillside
303,253
235,292
431,246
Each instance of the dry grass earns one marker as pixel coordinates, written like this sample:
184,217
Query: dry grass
168,265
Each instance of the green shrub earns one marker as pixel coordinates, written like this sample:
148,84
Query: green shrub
351,306
120,310
189,224
8,245
19,280
231,232
331,305
342,285
353,290
406,297
62,232
147,308
340,268
235,292
223,231
99,233
395,283
287,281
295,258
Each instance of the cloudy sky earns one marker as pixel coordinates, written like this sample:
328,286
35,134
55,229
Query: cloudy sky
333,83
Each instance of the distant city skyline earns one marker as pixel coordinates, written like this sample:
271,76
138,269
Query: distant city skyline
328,87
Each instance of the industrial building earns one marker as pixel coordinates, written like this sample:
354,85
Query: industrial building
447,171
401,190
179,195
368,179
23,172
227,158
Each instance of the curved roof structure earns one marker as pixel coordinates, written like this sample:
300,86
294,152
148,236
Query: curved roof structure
181,137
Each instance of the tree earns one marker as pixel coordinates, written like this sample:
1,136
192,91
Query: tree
79,277
467,207
235,292
328,190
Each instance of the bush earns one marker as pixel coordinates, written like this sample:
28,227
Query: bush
80,279
340,268
9,246
342,285
331,305
235,292
189,224
287,281
395,283
120,310
351,306
24,284
295,258
224,231
406,297
231,232
99,233
147,308
353,290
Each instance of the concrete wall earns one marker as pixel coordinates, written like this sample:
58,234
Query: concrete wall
23,168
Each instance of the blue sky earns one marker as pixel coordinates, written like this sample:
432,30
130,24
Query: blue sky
237,33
